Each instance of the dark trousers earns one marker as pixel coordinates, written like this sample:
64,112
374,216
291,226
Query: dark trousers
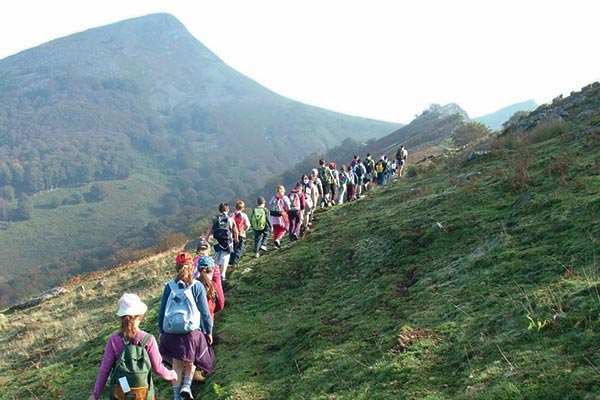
351,192
238,249
295,222
260,239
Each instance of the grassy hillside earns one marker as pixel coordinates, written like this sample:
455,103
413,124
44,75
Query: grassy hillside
475,278
71,228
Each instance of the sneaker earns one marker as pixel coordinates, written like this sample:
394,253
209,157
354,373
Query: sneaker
263,248
277,243
186,392
256,255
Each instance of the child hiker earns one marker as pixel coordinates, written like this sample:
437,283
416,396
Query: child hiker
131,311
185,324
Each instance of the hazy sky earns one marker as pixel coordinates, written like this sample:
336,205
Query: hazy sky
383,59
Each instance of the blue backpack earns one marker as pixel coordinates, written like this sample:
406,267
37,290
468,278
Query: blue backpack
181,313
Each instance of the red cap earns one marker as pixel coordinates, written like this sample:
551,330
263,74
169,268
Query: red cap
183,258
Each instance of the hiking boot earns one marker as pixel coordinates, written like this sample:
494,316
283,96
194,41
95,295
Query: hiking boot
198,377
186,392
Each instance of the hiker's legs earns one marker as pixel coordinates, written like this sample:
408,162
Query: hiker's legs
349,192
294,225
342,194
257,240
278,232
189,370
333,191
238,249
177,366
265,237
186,385
326,195
305,218
222,258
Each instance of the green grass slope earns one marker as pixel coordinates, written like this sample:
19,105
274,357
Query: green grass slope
472,279
53,233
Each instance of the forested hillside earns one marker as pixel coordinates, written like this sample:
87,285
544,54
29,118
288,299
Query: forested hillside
145,93
127,131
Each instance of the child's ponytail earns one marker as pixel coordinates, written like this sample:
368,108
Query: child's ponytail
128,328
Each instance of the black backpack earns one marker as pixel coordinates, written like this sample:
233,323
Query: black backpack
399,154
221,231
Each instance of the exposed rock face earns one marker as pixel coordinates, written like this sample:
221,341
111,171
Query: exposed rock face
577,107
45,296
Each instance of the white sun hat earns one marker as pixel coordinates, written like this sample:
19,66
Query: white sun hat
130,304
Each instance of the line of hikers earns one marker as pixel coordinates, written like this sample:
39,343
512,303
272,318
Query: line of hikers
292,213
190,300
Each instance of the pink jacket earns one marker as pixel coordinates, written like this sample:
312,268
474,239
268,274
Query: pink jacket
218,285
114,348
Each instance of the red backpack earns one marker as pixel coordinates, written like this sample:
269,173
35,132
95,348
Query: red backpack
239,222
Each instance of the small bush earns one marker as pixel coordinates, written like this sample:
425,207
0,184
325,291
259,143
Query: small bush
547,130
521,139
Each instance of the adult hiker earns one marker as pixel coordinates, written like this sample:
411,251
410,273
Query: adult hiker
260,220
351,184
343,178
336,182
401,157
361,178
131,312
224,231
278,205
328,181
242,223
295,211
314,177
310,199
368,177
185,324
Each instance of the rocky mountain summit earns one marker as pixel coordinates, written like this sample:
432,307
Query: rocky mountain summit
431,128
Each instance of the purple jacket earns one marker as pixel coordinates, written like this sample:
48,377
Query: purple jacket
114,348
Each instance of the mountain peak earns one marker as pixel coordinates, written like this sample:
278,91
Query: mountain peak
124,48
445,111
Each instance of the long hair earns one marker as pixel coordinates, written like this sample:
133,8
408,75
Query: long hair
128,328
185,272
208,284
